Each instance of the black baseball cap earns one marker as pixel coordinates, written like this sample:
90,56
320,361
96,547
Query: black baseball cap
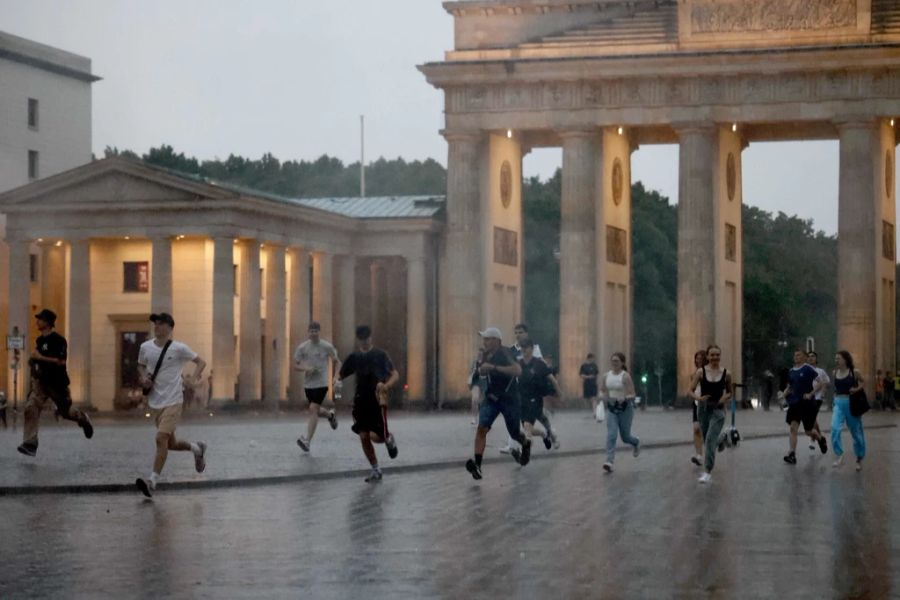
48,316
163,318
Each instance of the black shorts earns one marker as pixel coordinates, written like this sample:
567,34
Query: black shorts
532,410
316,395
803,412
590,393
367,416
694,406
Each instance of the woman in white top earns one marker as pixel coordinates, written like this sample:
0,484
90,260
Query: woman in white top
617,389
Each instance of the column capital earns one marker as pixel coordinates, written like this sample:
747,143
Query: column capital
845,122
695,127
472,136
578,133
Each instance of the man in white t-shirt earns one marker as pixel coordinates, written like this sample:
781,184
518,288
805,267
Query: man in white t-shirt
314,358
812,359
163,379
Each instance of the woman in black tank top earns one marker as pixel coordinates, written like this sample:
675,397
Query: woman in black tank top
711,405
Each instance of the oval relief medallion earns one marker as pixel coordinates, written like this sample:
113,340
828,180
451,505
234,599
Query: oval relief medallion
505,184
617,181
889,174
730,176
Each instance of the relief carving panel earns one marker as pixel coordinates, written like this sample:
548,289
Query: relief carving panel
753,16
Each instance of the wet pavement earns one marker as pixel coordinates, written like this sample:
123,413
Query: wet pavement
554,529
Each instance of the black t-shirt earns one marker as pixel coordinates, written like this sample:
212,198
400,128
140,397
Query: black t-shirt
590,385
499,384
535,379
371,368
52,345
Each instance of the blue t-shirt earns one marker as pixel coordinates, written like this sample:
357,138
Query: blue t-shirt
801,381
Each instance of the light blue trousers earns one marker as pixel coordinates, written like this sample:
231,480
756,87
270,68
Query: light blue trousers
854,424
618,424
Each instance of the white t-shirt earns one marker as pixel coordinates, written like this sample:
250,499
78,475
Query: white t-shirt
316,356
824,379
536,351
167,390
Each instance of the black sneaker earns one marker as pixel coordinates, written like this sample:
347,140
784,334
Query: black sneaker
516,455
722,444
332,420
823,444
27,449
86,426
526,452
144,486
548,442
791,459
473,468
696,460
391,446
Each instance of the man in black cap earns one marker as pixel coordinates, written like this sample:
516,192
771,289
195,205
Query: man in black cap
49,381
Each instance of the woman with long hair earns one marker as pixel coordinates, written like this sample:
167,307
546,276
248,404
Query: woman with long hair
714,383
699,363
847,381
617,388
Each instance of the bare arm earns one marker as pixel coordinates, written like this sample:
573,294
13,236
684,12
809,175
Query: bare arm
603,391
556,391
859,382
200,365
695,381
729,390
629,385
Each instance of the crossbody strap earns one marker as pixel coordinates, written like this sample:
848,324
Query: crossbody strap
159,361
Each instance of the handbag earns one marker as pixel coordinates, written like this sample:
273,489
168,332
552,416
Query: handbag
859,402
149,387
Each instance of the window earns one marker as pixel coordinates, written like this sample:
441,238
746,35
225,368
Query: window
136,277
32,113
33,164
33,268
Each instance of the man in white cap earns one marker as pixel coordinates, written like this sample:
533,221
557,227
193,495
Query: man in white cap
500,370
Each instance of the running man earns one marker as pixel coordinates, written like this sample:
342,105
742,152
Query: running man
824,380
375,377
49,382
715,390
314,358
588,373
500,369
535,382
161,362
803,383
521,332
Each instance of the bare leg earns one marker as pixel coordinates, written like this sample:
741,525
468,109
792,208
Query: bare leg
315,411
795,427
480,440
368,448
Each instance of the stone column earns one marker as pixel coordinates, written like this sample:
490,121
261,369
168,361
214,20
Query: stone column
79,362
53,278
275,324
461,271
416,327
251,322
379,282
696,246
161,275
344,340
223,320
577,250
323,293
299,314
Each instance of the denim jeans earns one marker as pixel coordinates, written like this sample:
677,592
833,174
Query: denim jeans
618,424
854,424
507,406
712,420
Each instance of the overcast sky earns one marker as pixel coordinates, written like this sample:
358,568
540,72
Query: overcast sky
292,77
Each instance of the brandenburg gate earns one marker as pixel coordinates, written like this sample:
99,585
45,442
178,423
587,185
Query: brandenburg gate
601,77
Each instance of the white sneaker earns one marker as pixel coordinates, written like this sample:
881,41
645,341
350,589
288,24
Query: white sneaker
838,461
705,478
506,449
608,467
637,449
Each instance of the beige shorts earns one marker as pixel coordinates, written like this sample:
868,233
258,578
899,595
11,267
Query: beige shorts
167,418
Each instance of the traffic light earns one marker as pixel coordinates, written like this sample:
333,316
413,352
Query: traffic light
643,378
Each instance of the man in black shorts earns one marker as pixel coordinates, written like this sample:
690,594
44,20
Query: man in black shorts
375,376
803,383
315,358
588,373
49,381
535,382
500,369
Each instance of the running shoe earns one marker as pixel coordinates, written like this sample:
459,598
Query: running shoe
391,446
145,486
86,426
791,458
200,458
526,452
303,443
705,478
812,446
608,467
823,444
473,468
555,442
838,461
859,464
696,459
637,449
374,476
507,449
332,419
516,455
548,443
722,442
27,449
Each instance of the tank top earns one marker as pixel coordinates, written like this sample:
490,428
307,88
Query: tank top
615,385
842,386
714,389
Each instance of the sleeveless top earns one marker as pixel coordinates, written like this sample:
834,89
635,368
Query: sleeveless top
842,386
615,385
714,389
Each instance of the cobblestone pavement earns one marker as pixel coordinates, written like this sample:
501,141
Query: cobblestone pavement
554,529
247,447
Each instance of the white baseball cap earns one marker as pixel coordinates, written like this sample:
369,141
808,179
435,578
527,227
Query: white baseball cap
491,332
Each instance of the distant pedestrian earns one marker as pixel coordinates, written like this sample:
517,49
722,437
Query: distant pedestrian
694,393
800,395
535,383
375,378
161,362
500,370
847,380
879,389
716,389
3,406
589,372
768,389
895,397
617,389
49,383
887,392
315,358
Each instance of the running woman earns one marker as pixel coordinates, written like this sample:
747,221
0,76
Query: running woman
314,358
800,393
535,382
375,377
716,389
617,388
161,362
500,370
847,380
49,383
699,363
824,380
588,373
